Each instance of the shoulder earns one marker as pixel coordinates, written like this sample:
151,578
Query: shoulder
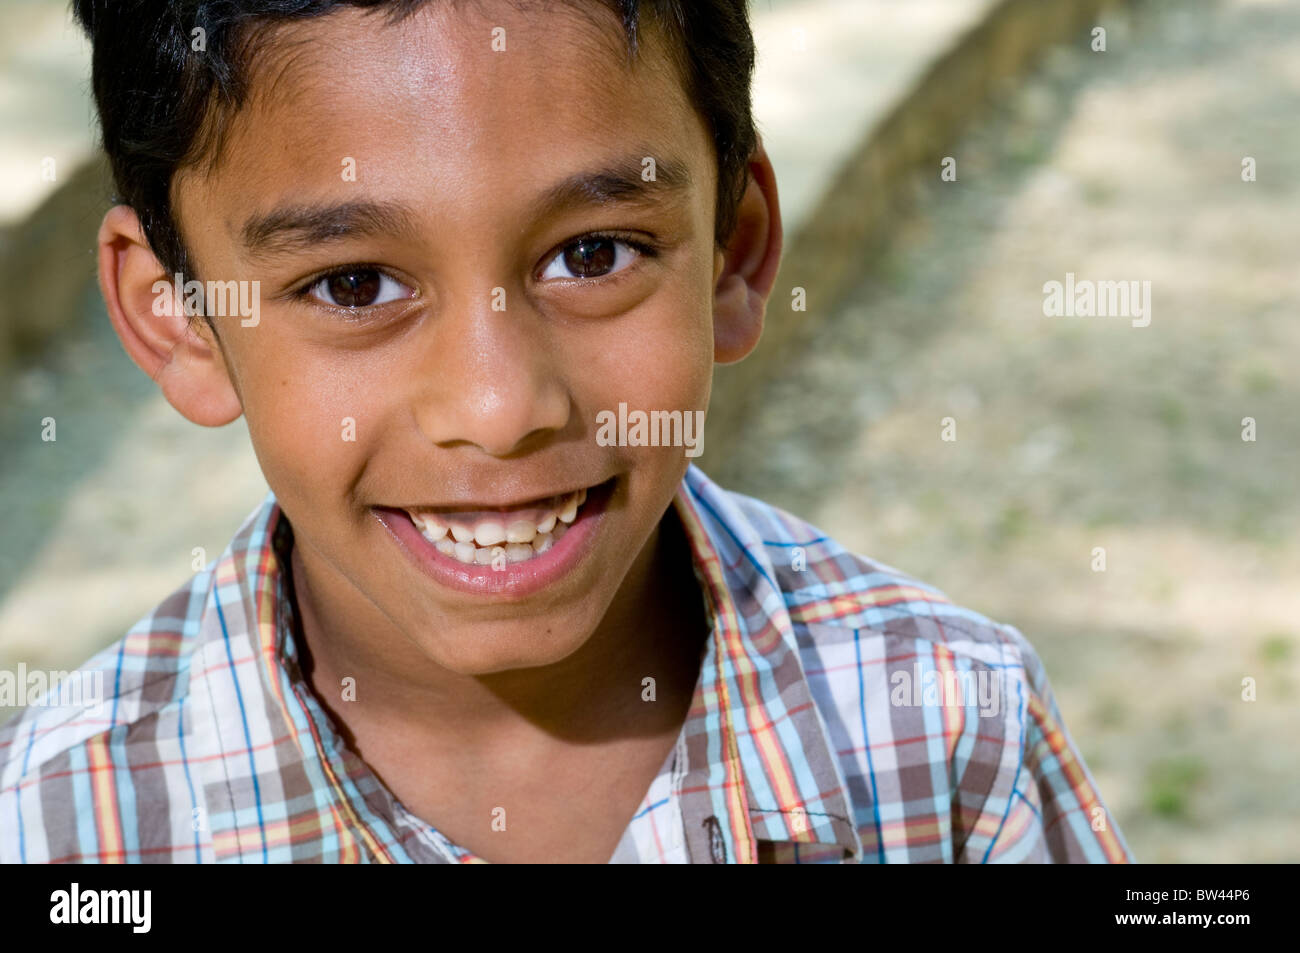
890,661
130,684
113,709
943,720
833,595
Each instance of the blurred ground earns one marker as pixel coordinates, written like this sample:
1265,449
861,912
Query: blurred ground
1074,433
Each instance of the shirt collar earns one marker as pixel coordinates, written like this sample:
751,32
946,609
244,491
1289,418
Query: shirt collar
760,763
281,784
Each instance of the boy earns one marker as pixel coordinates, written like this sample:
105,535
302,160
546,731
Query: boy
435,247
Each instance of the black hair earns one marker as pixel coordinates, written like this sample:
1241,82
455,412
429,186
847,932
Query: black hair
159,101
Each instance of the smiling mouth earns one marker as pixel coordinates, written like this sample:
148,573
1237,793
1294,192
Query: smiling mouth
482,537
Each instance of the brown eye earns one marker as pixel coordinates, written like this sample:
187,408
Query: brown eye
358,288
592,256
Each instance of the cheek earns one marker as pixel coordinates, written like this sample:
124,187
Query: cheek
661,357
310,422
662,362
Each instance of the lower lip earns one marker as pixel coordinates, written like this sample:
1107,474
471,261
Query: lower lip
516,580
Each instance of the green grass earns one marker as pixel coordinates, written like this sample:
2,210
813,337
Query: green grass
1170,784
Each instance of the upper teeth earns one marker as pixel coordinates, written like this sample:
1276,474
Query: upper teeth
489,539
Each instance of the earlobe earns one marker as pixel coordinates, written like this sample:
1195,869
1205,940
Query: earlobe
153,327
748,267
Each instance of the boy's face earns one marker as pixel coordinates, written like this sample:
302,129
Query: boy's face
483,340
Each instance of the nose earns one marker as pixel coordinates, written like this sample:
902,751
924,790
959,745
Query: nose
494,378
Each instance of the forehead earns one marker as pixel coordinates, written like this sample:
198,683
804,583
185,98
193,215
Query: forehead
456,98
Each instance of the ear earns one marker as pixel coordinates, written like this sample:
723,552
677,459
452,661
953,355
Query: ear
183,358
746,270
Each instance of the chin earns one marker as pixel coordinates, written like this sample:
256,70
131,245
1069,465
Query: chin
486,650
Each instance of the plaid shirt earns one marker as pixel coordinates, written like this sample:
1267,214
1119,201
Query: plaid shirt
843,713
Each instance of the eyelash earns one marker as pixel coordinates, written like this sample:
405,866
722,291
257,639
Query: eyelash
642,247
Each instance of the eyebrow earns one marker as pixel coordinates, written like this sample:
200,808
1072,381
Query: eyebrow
294,228
623,181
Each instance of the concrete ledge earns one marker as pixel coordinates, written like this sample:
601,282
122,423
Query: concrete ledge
861,204
53,251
